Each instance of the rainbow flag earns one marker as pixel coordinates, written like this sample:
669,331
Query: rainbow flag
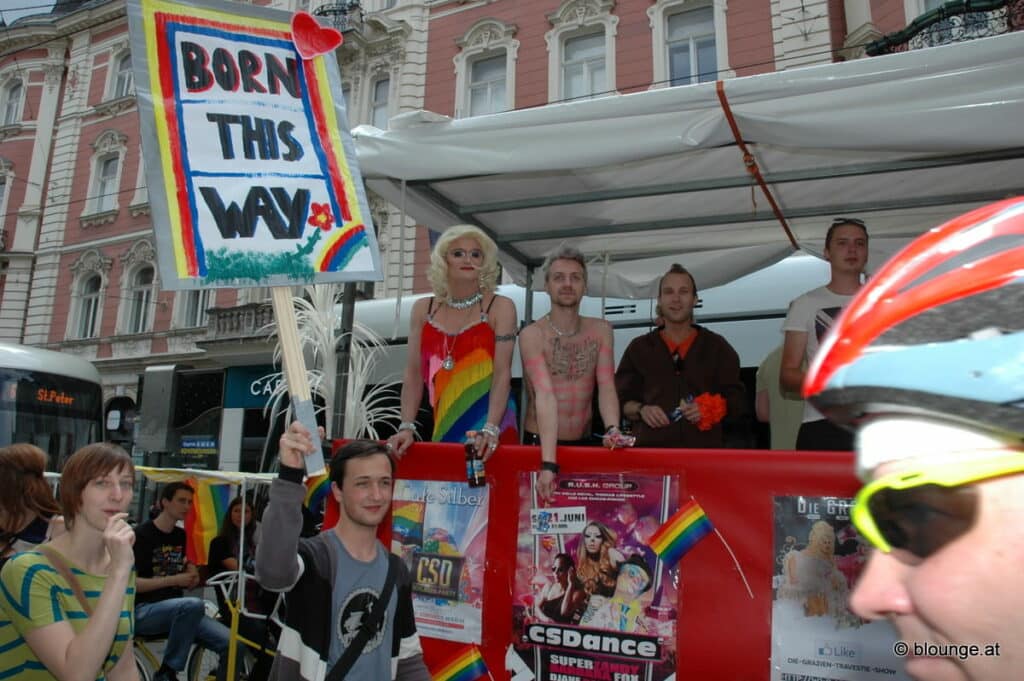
407,521
317,488
209,504
467,665
680,533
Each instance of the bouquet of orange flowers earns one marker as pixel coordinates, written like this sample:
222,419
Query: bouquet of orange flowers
712,410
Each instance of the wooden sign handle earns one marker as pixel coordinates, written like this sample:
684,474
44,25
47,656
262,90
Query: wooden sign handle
295,372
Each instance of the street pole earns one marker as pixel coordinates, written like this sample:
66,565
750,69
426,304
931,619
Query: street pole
344,353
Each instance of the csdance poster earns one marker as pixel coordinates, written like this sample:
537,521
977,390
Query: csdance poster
591,600
818,557
440,530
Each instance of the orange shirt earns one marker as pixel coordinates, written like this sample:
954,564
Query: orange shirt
680,348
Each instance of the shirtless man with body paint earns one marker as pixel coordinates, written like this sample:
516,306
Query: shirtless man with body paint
565,357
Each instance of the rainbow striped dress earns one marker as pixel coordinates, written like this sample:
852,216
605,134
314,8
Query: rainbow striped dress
460,396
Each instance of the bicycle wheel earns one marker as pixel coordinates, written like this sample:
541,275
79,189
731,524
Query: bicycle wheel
202,664
143,669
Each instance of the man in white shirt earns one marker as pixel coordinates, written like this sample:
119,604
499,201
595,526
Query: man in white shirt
809,319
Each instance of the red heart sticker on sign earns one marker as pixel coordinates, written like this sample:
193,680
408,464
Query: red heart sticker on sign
310,38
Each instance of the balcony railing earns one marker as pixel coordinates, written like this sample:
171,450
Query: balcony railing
344,15
239,322
954,22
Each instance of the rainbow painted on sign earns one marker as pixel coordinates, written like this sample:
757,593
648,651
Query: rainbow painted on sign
680,533
317,488
468,665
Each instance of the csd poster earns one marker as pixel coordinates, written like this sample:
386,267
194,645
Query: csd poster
818,557
440,530
591,600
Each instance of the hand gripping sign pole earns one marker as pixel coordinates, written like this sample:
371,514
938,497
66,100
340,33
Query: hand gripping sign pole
295,373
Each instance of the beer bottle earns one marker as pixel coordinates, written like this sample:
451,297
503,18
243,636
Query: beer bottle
474,466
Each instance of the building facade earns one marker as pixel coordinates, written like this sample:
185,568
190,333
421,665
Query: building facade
77,253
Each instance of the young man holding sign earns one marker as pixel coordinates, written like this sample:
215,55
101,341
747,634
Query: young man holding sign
349,601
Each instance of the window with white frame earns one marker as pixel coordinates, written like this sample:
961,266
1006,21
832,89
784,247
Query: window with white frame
194,308
105,174
691,47
89,306
105,189
485,69
379,103
487,85
583,66
124,80
140,300
12,96
690,39
581,49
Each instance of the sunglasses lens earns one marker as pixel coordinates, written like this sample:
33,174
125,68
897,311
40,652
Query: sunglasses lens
923,519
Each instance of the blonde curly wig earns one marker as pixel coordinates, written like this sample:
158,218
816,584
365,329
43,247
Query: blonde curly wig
438,273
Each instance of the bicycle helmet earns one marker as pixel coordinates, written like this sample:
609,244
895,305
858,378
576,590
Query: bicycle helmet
937,333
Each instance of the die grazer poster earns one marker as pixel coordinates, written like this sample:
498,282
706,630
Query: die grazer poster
818,557
440,530
591,601
250,168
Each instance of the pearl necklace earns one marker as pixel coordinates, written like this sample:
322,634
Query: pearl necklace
465,303
564,334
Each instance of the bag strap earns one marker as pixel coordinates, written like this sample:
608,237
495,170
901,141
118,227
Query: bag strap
61,566
369,625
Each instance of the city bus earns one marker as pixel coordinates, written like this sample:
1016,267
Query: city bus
53,400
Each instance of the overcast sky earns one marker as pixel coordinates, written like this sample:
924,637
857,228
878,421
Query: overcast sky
14,9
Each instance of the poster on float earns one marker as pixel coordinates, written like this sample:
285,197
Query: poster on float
440,531
591,601
815,635
251,172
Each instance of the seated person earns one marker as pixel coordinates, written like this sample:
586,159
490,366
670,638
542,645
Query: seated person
161,607
223,557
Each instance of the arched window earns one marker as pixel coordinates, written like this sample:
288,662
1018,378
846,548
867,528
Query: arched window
140,300
12,96
89,306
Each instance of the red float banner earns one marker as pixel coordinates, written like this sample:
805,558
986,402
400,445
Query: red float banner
591,599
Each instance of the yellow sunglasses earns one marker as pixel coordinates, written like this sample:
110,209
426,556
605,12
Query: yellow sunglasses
920,510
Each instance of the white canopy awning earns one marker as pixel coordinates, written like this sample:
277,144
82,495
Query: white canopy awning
904,142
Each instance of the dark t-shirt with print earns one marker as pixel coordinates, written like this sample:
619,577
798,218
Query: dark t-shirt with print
159,554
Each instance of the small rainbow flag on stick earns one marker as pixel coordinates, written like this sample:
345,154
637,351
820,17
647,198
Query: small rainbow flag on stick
209,504
467,665
680,533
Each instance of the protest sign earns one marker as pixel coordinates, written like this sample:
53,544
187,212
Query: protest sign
250,167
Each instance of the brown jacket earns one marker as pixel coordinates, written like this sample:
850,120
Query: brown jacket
647,374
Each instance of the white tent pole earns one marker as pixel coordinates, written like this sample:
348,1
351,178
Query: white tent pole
401,266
